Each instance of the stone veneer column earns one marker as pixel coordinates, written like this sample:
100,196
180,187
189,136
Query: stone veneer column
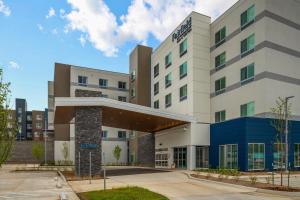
88,122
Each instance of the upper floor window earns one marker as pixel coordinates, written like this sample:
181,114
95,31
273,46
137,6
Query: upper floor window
183,93
247,45
220,116
220,36
82,80
38,125
38,117
29,118
102,82
121,134
247,17
220,60
168,80
220,85
156,70
132,75
10,116
156,104
248,109
168,100
104,134
168,60
121,98
132,92
247,73
183,48
19,110
29,126
122,85
156,88
183,70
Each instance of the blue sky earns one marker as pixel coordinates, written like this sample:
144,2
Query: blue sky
36,34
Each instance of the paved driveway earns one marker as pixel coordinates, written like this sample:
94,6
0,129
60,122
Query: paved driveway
31,186
176,185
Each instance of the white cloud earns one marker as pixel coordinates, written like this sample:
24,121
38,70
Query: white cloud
54,31
94,19
13,65
4,9
62,13
40,27
51,13
82,40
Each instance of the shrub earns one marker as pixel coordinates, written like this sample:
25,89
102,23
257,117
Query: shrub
253,179
37,151
268,179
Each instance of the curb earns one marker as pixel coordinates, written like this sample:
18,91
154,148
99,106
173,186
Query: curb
221,183
274,192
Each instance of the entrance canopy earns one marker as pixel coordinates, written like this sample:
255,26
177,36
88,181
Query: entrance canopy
120,114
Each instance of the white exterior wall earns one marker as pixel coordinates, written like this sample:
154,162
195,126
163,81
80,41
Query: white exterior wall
108,148
50,105
266,59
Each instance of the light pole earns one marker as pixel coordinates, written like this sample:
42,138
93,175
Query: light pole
286,133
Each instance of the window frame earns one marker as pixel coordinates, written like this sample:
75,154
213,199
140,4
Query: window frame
253,161
249,50
168,60
123,85
248,21
180,69
297,155
122,98
166,98
103,81
248,78
226,155
218,36
218,58
156,88
247,114
80,83
122,134
168,80
156,104
184,51
156,72
182,98
133,75
220,90
104,133
219,113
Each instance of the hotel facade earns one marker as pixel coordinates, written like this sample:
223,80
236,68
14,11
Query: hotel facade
203,98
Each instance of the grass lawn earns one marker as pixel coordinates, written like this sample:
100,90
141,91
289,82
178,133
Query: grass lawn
126,193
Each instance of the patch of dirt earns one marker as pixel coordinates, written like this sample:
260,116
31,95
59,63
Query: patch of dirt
70,176
249,184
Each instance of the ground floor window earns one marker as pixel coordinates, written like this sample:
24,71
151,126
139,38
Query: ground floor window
256,156
297,155
161,157
180,157
279,156
228,156
202,157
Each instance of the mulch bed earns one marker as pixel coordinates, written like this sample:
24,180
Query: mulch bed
248,183
70,176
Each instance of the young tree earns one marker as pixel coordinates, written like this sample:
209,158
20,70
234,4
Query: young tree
279,124
117,153
38,151
7,134
65,151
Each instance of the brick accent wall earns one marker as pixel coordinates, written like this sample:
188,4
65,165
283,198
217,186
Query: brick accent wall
88,121
146,149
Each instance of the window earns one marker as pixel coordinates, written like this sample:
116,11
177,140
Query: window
247,73
132,92
256,156
156,88
248,109
156,70
220,36
220,116
279,156
122,85
19,110
247,45
19,119
228,156
38,125
10,116
104,134
220,85
156,104
183,93
202,157
168,100
121,134
183,48
247,17
29,126
29,118
297,155
104,95
82,80
9,125
132,75
161,159
121,98
168,60
102,83
220,60
183,70
38,117
168,80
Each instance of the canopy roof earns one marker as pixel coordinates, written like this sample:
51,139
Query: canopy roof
120,114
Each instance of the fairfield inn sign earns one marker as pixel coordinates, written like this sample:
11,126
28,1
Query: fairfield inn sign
182,31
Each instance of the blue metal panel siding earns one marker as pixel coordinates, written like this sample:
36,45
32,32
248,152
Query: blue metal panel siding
246,130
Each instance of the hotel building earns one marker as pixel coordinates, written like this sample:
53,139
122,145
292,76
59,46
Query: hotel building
205,94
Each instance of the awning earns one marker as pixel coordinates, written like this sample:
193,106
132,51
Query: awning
120,114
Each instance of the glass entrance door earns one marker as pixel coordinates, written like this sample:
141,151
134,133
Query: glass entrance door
180,157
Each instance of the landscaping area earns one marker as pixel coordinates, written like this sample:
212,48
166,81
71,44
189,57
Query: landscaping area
261,180
126,193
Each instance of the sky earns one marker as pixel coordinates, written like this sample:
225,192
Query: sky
92,33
